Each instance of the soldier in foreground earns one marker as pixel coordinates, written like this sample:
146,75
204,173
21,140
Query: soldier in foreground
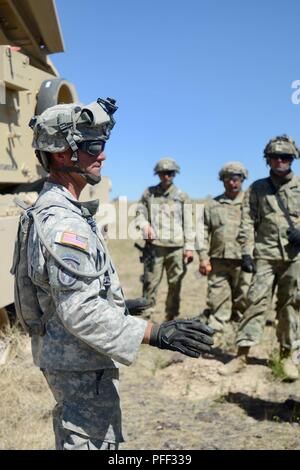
220,255
271,221
164,215
68,294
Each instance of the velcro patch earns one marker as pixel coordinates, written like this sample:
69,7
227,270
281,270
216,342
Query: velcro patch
66,278
72,239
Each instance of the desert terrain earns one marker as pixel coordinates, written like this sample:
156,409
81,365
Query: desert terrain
169,401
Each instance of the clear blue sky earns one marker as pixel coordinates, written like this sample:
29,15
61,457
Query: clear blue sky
202,81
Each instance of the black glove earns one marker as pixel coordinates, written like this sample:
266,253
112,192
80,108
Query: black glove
248,265
190,337
137,306
294,236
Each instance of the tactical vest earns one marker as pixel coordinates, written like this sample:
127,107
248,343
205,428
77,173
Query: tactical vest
28,310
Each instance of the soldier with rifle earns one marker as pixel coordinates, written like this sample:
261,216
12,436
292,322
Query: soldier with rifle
164,217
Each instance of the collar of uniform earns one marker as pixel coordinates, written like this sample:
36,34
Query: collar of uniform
280,184
227,200
87,207
294,181
166,192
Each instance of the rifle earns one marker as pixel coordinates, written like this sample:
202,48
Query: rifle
148,259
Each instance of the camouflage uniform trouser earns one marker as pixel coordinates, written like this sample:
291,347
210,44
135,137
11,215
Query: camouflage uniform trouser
87,415
227,292
286,276
172,260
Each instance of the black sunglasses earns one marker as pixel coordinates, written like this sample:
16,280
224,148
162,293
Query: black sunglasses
167,172
92,147
283,157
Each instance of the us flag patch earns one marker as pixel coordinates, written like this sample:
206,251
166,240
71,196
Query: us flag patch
72,239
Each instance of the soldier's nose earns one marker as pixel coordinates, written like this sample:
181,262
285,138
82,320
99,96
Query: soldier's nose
101,157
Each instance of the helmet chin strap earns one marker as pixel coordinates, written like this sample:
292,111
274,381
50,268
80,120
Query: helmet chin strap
90,179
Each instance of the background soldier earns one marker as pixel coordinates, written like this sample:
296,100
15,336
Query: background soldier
220,257
68,294
164,215
271,220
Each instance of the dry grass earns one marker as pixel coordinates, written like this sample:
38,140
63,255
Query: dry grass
161,397
25,401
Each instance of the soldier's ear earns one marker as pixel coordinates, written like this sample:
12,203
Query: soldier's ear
61,158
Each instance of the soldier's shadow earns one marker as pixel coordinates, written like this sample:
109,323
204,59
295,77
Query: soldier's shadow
261,410
224,357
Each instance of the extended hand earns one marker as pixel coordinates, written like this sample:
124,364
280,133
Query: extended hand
190,337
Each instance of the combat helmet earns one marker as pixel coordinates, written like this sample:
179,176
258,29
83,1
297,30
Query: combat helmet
166,164
65,126
233,168
281,145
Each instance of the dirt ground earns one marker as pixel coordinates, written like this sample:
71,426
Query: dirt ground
169,401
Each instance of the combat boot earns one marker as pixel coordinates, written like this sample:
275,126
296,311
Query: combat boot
289,368
236,364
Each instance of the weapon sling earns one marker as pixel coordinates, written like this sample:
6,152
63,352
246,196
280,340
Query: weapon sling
282,205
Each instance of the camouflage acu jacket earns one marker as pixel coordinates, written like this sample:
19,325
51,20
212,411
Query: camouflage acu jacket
264,223
89,328
222,218
170,214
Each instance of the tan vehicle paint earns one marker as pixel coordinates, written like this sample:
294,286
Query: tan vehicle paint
29,83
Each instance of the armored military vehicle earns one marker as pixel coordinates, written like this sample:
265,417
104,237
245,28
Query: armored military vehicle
29,83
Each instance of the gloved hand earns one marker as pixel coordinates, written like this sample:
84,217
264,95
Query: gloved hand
190,337
248,265
294,236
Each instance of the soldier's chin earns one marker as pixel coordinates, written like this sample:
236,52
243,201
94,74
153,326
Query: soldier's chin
281,171
96,171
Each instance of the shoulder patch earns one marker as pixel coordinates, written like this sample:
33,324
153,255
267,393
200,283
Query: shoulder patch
72,239
66,278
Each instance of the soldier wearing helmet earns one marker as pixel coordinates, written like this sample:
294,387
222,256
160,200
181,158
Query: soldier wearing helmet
72,127
162,218
220,252
68,295
271,224
166,164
